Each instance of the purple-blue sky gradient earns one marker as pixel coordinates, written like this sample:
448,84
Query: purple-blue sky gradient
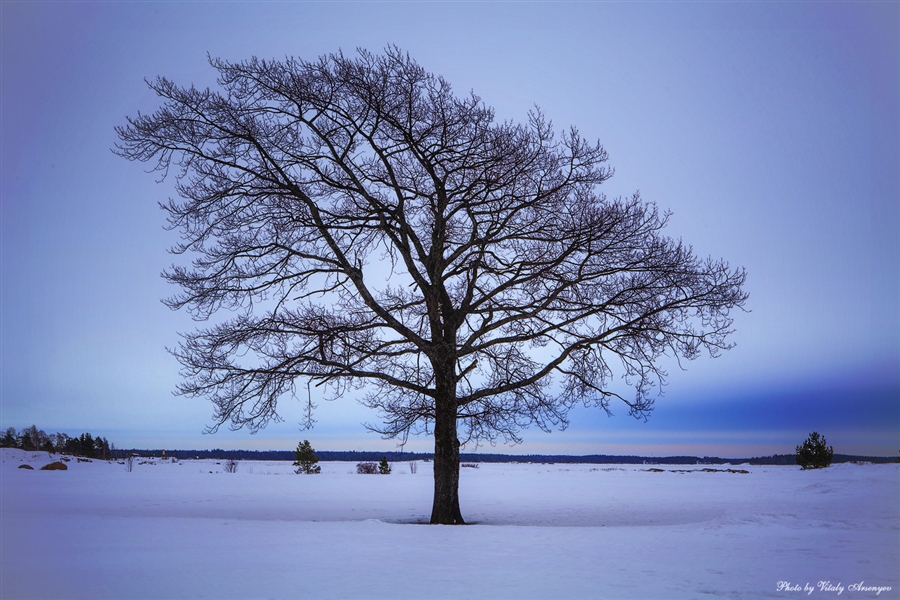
771,130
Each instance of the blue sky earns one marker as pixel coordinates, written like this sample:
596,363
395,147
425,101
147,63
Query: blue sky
771,130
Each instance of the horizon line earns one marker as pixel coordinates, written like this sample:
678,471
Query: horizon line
535,454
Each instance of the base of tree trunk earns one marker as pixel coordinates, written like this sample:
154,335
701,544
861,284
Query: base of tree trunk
447,518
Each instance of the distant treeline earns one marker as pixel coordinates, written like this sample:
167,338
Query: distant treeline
32,438
90,446
396,456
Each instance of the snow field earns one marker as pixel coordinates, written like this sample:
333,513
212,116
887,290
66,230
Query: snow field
175,530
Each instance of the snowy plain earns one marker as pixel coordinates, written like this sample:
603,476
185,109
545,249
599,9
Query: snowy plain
187,529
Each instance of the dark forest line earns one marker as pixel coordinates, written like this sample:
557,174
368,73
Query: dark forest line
87,445
397,456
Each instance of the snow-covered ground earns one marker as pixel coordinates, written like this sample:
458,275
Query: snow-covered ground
190,530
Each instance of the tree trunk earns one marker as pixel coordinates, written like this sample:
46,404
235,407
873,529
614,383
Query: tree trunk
445,510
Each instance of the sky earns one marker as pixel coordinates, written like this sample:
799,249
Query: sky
771,130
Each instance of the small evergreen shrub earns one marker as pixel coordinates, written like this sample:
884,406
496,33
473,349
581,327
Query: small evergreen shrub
814,453
366,468
383,467
306,459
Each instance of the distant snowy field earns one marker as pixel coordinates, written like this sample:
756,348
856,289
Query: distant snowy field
190,530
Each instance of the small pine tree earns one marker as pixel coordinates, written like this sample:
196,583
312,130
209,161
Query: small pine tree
383,467
9,439
306,459
814,453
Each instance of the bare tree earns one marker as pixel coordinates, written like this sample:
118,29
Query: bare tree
370,229
35,439
366,468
